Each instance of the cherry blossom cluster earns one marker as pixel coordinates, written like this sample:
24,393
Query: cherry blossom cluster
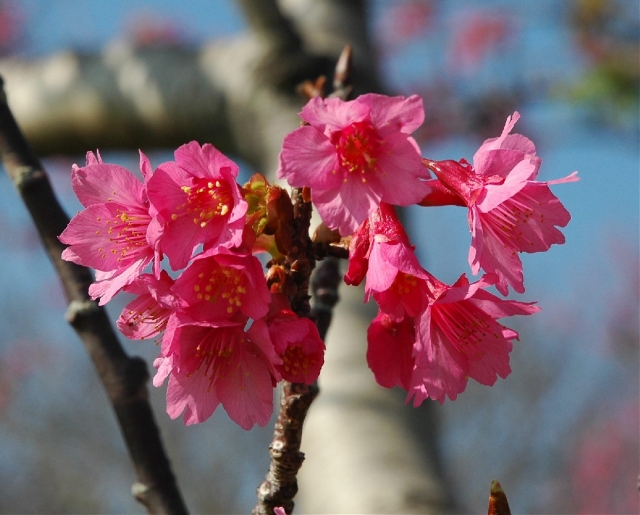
359,160
228,336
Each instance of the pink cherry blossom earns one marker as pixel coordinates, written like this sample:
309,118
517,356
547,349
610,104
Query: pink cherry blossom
509,211
380,251
115,234
455,336
209,366
198,202
354,155
220,283
147,315
296,341
458,337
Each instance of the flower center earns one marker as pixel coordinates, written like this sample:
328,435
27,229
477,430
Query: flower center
295,362
466,326
222,284
404,283
127,233
147,311
358,147
205,200
214,352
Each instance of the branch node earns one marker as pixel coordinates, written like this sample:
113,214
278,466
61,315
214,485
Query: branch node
139,489
79,308
26,176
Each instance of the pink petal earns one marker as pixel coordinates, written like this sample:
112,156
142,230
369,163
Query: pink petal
108,288
345,208
101,183
309,159
494,361
333,114
145,167
205,162
246,392
394,113
499,254
494,194
389,351
440,370
496,307
193,395
107,237
164,367
400,171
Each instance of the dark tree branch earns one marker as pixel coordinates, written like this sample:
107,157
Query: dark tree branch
324,286
124,378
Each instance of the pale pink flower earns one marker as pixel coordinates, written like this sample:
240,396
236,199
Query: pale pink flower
115,234
296,340
198,202
227,365
354,155
220,283
147,315
509,211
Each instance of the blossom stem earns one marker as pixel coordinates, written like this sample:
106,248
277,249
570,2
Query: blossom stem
123,377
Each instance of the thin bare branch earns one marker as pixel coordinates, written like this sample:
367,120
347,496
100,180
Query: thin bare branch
124,378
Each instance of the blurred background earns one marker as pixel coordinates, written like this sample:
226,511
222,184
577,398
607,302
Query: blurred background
561,433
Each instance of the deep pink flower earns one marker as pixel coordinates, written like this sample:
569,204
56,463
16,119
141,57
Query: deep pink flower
455,337
354,155
115,234
198,202
458,337
225,365
147,315
389,350
220,283
380,251
509,211
296,340
380,248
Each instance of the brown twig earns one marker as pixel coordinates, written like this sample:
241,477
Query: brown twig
342,77
124,378
281,484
